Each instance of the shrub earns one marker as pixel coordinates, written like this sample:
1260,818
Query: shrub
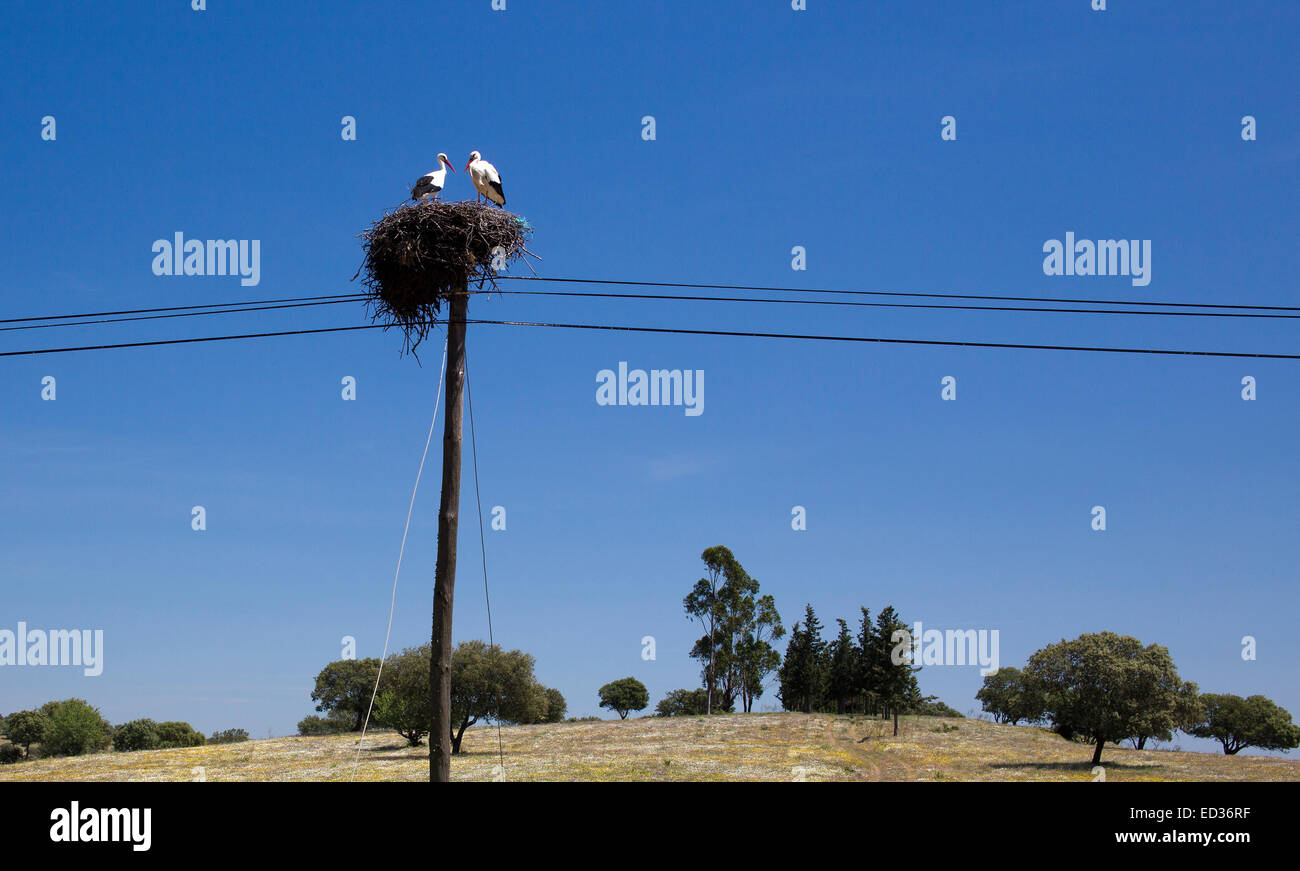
679,703
10,753
228,736
936,708
334,724
136,735
75,727
177,734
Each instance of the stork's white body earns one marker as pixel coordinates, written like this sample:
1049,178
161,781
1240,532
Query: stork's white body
487,181
431,183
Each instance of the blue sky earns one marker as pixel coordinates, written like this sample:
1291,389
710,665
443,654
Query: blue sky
774,128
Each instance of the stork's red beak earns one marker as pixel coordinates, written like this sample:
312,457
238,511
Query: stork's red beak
467,165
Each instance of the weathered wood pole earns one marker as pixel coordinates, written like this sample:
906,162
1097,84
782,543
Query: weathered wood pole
444,582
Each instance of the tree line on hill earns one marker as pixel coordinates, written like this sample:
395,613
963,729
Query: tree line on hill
73,727
845,675
1101,688
736,655
1104,687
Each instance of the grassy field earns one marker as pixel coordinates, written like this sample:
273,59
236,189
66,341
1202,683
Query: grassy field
733,747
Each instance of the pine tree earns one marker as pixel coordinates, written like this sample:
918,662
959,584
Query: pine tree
891,665
843,671
791,675
803,675
866,677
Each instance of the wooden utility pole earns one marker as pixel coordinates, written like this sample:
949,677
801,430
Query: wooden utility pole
448,521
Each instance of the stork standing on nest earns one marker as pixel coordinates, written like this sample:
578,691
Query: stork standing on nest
430,184
487,181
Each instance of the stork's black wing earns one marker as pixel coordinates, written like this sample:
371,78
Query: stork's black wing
424,186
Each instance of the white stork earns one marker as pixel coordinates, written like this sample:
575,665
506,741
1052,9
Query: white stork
487,181
431,183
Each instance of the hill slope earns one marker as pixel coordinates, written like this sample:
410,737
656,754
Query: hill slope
733,747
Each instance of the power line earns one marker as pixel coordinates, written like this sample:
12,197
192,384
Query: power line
292,302
188,341
617,282
183,314
938,342
902,305
686,332
171,308
186,311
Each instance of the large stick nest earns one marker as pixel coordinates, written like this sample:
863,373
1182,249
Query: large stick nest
419,255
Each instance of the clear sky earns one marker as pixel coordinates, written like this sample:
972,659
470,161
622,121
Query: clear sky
773,129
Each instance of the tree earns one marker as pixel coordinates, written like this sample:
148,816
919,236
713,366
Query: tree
757,623
136,735
888,665
803,675
228,736
1107,687
75,727
842,678
486,682
490,682
704,603
1005,696
735,653
347,685
26,728
403,703
1160,724
556,706
178,734
624,695
1237,723
681,703
866,669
